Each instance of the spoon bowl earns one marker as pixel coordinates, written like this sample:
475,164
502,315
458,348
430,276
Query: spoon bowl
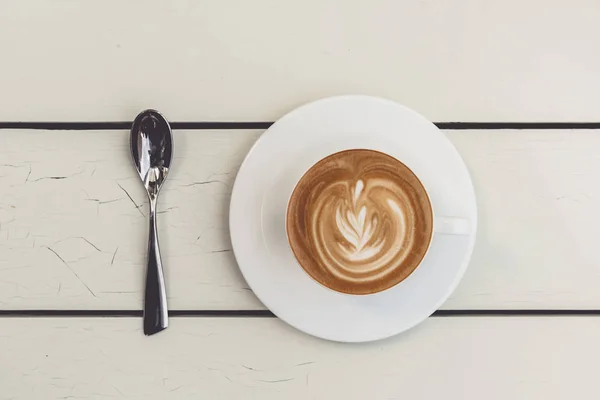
152,149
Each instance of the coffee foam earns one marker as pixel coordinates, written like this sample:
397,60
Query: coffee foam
359,221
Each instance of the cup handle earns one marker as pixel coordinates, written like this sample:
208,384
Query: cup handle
452,226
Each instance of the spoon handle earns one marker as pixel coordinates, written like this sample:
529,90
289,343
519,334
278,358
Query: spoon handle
155,303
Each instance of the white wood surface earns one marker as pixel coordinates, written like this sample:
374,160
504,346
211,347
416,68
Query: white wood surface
73,212
444,358
71,238
462,60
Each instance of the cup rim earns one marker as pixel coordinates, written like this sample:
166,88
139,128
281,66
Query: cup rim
429,236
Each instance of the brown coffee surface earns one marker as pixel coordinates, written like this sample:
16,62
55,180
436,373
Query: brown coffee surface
359,221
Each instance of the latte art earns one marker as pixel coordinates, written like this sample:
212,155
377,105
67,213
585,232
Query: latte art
357,230
359,221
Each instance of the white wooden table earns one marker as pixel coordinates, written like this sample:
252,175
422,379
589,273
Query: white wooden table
521,79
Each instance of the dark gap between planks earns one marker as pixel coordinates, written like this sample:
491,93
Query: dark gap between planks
269,314
264,125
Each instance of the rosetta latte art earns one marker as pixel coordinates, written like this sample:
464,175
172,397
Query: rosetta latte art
358,226
359,221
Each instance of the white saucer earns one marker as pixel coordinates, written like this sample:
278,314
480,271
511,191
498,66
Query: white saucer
276,163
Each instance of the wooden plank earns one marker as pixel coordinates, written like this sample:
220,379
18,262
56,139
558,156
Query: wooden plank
499,358
237,60
74,221
73,226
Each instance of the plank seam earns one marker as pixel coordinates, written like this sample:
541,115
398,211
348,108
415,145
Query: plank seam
83,126
269,314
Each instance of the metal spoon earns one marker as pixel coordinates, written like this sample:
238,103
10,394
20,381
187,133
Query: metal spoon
152,151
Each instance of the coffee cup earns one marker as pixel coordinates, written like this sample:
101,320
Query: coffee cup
360,222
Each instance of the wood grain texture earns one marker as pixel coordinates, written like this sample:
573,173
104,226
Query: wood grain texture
463,60
73,226
462,358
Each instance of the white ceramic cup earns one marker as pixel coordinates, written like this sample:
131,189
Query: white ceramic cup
444,225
